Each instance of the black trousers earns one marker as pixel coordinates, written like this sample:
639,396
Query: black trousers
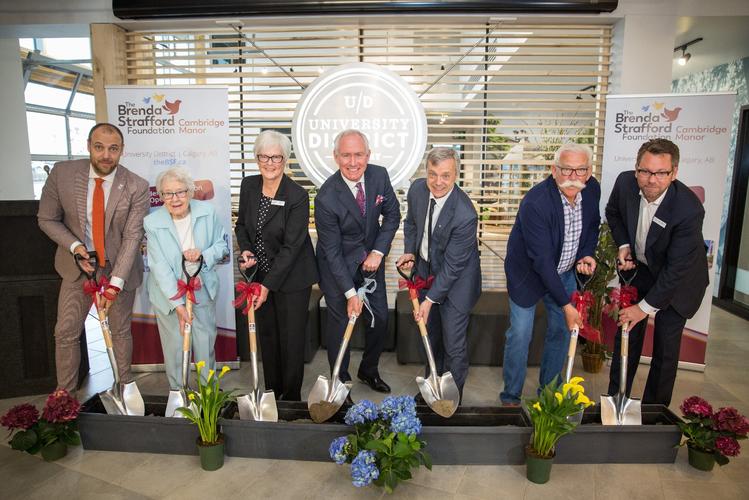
281,325
374,337
669,326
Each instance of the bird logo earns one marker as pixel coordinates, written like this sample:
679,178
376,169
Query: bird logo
671,114
146,100
172,107
658,106
158,97
645,108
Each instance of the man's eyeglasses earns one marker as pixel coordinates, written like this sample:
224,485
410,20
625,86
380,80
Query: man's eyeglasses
270,159
647,174
578,171
168,195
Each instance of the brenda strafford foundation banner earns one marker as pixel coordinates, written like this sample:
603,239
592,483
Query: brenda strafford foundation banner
178,126
700,124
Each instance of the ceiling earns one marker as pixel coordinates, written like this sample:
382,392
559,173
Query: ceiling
725,39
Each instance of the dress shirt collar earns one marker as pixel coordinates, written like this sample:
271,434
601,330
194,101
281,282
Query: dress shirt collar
657,201
107,178
578,199
352,184
441,201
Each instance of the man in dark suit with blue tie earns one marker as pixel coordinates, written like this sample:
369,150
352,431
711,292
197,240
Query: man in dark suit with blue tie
351,245
555,233
440,237
656,221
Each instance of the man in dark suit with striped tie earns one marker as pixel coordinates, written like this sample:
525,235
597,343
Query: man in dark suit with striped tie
351,244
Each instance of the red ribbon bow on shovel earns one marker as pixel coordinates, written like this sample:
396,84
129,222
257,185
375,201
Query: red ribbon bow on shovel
247,293
90,287
418,283
187,289
583,302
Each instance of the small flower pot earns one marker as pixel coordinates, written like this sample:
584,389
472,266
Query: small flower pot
702,460
592,363
537,469
211,455
54,451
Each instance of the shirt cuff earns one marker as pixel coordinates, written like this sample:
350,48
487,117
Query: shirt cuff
350,293
378,252
75,244
626,245
647,308
117,281
432,301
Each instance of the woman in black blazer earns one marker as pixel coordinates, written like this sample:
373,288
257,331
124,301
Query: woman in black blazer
272,233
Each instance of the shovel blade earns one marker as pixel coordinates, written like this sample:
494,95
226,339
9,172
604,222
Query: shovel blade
620,411
631,413
176,400
441,394
132,400
261,409
608,410
326,398
112,403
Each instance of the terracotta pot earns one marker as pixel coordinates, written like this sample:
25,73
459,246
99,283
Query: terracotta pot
211,455
54,451
537,469
702,460
592,363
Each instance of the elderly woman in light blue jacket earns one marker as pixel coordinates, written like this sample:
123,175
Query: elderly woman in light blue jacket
189,228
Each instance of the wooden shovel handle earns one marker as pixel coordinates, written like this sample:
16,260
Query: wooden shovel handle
573,346
251,328
422,326
104,322
349,328
625,339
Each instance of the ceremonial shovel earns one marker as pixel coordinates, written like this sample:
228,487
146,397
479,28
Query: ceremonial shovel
619,409
440,393
178,399
256,405
121,399
576,418
327,396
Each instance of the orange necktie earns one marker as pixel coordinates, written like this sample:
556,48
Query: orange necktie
97,224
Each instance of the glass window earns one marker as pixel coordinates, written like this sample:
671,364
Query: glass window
79,128
84,103
39,173
44,95
66,48
46,134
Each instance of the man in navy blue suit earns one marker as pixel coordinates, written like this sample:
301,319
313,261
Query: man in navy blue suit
657,222
555,234
351,244
440,237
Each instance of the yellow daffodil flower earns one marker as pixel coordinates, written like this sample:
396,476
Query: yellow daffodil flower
559,397
537,406
210,374
200,365
576,380
223,371
583,399
191,396
572,387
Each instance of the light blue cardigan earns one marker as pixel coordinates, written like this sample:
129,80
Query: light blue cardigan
165,254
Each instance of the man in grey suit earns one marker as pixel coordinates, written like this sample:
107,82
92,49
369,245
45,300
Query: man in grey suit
440,237
95,204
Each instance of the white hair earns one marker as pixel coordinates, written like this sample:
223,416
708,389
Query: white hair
347,132
572,147
179,174
269,138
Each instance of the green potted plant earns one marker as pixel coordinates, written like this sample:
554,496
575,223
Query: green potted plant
594,351
549,414
385,444
205,406
711,436
50,434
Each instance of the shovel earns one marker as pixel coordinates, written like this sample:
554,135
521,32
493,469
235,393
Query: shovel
121,399
575,418
257,405
327,396
619,409
178,399
440,393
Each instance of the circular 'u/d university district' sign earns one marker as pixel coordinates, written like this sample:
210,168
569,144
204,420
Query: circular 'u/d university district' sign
368,98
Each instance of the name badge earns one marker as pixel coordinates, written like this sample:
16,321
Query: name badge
278,203
659,222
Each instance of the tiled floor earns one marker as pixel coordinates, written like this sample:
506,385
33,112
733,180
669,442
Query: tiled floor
94,474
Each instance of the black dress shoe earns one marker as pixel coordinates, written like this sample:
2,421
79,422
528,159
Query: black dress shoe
375,383
344,377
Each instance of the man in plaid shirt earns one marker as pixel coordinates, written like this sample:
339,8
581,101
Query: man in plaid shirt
554,235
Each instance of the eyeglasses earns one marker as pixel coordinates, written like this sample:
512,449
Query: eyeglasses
578,171
356,156
271,159
168,195
647,174
99,148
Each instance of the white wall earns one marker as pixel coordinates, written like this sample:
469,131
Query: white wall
15,172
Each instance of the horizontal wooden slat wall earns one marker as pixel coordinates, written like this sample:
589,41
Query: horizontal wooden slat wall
507,95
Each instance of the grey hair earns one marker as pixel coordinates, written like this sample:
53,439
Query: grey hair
347,132
437,155
179,174
573,147
269,138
